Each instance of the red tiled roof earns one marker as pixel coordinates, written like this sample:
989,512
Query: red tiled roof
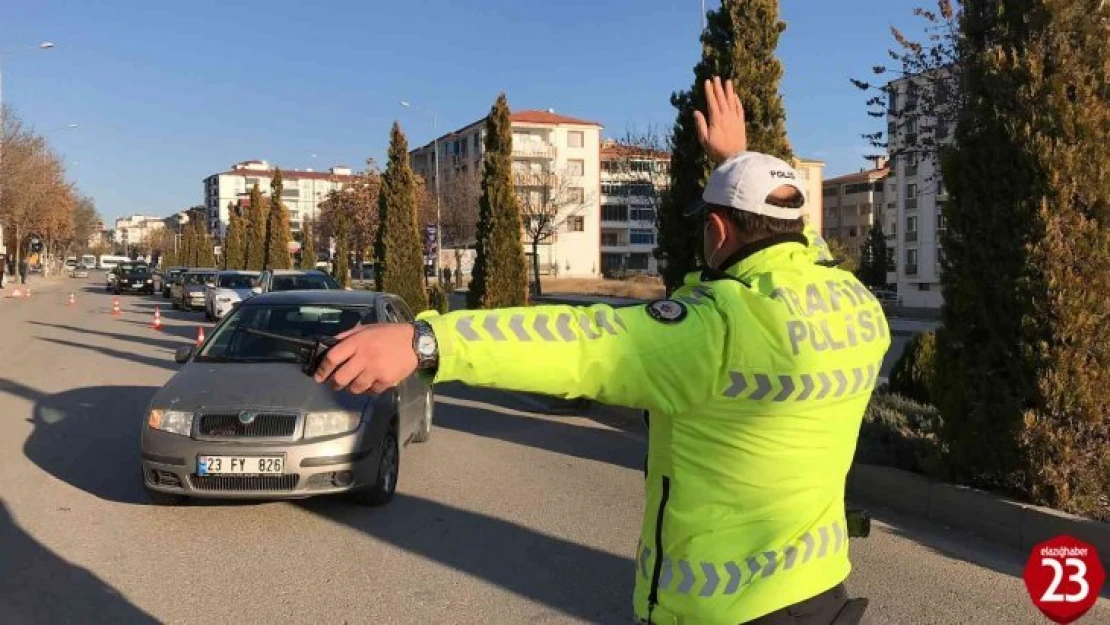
617,150
860,176
544,117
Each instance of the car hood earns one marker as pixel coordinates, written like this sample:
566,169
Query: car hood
239,293
210,385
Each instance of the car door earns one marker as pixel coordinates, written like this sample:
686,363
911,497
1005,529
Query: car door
409,395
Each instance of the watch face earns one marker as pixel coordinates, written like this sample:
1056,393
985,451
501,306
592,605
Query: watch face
426,345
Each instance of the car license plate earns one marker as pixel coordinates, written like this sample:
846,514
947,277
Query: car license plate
240,465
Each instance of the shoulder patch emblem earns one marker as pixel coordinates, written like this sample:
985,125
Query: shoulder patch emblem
667,310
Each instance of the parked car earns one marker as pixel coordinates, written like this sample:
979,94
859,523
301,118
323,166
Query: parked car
240,419
110,278
887,297
188,291
294,280
79,271
133,278
168,277
231,288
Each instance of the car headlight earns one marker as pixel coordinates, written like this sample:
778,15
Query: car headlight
172,421
318,424
150,281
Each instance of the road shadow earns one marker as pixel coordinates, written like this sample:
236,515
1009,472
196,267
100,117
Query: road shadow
188,332
510,419
153,342
37,586
578,580
88,437
165,363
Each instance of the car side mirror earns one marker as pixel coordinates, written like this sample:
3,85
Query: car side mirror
183,354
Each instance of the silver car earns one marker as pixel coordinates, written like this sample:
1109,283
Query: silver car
188,292
241,419
231,287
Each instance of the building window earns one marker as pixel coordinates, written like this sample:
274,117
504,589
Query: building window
911,191
922,286
940,223
940,187
831,191
641,236
911,258
830,213
890,256
610,239
576,139
614,212
576,195
576,223
576,167
911,224
853,232
643,214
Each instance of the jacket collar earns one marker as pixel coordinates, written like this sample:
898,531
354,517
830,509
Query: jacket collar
751,258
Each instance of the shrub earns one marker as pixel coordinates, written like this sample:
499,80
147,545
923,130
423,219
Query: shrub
899,432
437,298
914,373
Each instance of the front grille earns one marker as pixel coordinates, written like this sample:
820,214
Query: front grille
264,425
244,483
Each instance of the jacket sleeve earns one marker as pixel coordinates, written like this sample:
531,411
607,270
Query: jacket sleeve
662,356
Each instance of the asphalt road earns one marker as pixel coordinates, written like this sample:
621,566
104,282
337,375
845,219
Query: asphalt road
505,516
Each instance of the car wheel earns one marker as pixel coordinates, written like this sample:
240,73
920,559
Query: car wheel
389,464
173,304
158,498
207,314
424,432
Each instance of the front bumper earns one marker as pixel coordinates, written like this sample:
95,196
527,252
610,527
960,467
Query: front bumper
194,299
338,464
219,309
135,286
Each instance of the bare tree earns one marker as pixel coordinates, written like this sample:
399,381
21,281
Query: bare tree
921,97
357,202
636,169
460,194
550,202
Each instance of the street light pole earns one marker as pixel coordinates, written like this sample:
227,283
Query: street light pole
439,218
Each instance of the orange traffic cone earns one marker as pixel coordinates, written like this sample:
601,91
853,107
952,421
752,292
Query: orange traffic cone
28,292
200,335
115,307
72,300
157,319
17,293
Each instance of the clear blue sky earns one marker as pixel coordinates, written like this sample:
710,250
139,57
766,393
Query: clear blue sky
167,93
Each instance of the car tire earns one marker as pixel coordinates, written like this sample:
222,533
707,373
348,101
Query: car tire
424,431
389,464
158,498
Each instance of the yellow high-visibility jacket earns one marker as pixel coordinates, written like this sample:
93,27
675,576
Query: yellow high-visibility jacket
756,380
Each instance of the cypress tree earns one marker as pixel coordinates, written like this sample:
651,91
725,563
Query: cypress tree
308,245
255,231
278,234
873,259
233,257
341,269
1024,363
739,45
206,255
399,249
500,276
188,250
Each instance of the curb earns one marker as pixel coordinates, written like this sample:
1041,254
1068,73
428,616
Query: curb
1004,521
997,519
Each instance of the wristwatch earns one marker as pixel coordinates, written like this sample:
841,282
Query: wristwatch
425,346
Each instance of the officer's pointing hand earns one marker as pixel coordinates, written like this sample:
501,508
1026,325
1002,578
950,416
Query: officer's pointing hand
724,134
369,359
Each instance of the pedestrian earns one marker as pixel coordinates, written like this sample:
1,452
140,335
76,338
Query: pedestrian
23,267
447,275
756,374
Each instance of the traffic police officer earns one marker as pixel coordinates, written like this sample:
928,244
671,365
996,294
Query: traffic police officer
756,373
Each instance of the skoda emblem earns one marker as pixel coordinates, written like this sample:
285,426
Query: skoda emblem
247,418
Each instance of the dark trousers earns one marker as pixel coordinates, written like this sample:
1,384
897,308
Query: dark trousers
832,607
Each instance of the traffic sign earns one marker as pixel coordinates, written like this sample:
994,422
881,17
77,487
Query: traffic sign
1064,577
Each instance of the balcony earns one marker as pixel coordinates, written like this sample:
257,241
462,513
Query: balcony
529,179
911,237
911,270
911,203
614,246
911,170
534,150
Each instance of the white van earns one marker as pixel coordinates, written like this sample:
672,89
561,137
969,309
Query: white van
108,262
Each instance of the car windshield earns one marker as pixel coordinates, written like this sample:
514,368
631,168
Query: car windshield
138,270
198,278
236,281
232,343
304,282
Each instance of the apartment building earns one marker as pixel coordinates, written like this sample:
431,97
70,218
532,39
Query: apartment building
633,181
556,162
915,189
302,190
135,230
812,173
853,203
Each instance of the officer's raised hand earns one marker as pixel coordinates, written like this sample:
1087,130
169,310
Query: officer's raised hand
723,135
369,358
